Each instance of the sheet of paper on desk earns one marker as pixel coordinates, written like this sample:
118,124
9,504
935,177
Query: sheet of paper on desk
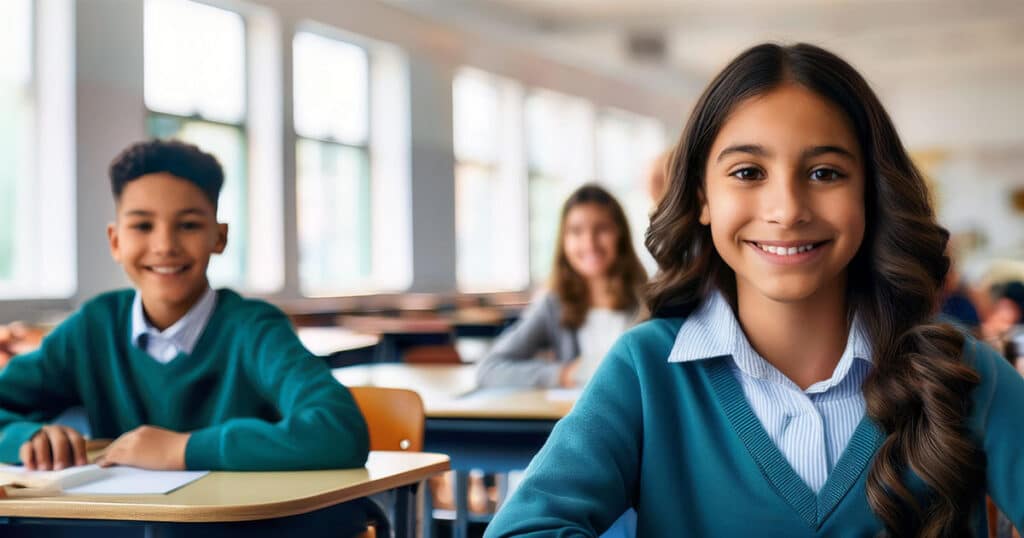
117,480
133,481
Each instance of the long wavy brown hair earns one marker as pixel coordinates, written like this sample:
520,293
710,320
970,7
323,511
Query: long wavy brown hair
918,389
626,276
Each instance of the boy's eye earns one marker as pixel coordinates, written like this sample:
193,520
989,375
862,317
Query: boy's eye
747,174
190,225
142,226
825,174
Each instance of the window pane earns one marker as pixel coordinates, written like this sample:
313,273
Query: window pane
627,145
16,42
227,143
476,102
476,248
16,172
331,80
492,233
334,218
15,176
560,145
194,60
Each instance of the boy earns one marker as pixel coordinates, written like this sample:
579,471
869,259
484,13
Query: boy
184,377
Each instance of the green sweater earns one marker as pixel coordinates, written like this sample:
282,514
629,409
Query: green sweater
252,396
680,444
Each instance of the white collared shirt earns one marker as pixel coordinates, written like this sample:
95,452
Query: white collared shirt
810,427
164,346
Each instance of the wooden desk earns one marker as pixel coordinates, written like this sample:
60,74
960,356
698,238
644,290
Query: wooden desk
449,391
326,341
497,430
223,497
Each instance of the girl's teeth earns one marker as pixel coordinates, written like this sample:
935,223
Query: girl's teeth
784,251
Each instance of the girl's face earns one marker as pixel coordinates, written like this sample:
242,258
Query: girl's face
591,239
784,194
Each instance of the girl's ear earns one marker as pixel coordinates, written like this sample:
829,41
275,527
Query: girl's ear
705,213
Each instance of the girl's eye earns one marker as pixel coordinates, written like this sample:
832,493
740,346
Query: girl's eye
826,174
747,174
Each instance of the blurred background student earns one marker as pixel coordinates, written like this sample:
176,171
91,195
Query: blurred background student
593,297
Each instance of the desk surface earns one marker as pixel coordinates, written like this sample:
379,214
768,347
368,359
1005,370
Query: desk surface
227,496
325,341
449,391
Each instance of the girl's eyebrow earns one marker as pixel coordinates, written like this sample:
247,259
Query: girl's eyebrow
760,151
752,149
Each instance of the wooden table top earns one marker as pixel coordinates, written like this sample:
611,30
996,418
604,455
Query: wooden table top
449,391
236,496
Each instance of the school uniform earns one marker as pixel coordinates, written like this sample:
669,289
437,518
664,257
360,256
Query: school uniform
687,424
514,359
231,372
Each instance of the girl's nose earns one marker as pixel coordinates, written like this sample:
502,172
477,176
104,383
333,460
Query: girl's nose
785,203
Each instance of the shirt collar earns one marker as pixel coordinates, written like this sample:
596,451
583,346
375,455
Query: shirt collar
713,331
185,332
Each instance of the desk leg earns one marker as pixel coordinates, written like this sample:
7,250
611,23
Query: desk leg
460,527
428,511
152,531
404,515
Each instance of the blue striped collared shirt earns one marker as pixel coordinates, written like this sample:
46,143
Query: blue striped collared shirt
181,337
810,427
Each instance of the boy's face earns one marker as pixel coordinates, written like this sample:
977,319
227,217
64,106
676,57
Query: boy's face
165,232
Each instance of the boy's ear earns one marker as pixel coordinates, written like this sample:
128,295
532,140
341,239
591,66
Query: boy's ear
222,238
114,241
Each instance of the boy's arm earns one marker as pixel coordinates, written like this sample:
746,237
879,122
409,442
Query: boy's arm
34,388
583,478
321,426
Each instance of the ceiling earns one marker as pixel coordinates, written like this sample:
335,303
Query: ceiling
892,41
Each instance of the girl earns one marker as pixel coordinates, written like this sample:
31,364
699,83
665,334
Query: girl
791,382
594,297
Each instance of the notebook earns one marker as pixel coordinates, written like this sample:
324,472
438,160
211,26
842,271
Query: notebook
92,479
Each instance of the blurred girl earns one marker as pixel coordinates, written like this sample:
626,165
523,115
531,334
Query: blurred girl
594,297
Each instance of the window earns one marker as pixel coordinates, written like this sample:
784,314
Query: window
36,180
490,199
560,149
627,145
195,90
351,159
331,80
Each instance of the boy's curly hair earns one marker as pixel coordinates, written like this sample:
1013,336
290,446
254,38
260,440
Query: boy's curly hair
174,157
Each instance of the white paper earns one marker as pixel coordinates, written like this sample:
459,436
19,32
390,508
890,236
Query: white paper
133,481
116,480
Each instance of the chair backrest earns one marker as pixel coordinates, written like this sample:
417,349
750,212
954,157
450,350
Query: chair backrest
395,417
431,354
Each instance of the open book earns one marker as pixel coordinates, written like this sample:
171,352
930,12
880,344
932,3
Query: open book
92,479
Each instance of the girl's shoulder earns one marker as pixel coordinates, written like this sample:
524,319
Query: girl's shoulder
652,337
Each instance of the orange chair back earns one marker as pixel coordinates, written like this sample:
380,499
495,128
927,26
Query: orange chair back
395,417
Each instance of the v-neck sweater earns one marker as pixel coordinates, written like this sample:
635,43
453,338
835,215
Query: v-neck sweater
679,443
252,397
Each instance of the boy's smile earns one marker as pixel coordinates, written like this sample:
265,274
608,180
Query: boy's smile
165,232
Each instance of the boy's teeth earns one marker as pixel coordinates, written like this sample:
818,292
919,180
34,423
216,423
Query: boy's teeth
167,270
784,251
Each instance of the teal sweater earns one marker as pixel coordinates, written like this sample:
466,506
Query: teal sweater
252,396
678,442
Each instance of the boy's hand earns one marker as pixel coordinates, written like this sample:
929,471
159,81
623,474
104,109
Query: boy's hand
17,338
53,447
148,447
